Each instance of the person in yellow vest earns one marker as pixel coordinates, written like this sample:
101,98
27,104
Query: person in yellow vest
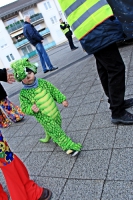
68,33
98,30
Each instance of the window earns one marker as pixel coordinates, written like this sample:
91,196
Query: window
38,27
27,49
10,57
53,19
47,5
11,21
2,43
28,12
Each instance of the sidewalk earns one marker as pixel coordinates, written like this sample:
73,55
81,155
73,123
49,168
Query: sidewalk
104,168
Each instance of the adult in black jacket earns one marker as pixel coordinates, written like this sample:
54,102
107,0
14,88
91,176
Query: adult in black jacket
68,33
36,40
16,175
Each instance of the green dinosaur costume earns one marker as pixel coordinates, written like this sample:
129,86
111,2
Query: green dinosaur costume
44,96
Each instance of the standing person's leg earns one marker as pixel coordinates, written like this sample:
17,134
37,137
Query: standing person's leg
44,55
111,60
111,71
3,195
70,42
41,59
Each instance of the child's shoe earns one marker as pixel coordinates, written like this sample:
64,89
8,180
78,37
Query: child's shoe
46,194
72,152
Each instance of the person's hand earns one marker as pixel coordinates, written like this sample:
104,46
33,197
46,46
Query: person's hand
35,108
10,77
65,103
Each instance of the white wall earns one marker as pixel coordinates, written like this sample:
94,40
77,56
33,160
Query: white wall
8,49
55,30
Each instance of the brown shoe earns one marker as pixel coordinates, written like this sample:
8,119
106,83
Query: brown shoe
46,194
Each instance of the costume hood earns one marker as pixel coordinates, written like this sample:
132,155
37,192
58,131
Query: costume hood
21,67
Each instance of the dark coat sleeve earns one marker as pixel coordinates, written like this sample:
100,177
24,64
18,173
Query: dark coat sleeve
3,75
65,26
33,33
3,93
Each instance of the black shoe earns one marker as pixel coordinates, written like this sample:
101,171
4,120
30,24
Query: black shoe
74,48
127,118
46,194
128,103
46,71
72,152
54,68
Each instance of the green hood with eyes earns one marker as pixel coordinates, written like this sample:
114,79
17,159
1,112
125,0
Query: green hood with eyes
20,68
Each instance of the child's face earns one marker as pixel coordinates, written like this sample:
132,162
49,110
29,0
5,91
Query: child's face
29,78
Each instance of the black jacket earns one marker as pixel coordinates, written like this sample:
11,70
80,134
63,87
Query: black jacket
3,77
69,33
31,34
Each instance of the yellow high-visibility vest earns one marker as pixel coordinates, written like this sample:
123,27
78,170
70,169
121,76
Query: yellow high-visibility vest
84,15
65,30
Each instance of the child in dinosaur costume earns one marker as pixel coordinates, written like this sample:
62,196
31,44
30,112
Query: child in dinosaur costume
37,98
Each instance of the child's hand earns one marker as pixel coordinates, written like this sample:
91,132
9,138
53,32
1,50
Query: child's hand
65,103
35,108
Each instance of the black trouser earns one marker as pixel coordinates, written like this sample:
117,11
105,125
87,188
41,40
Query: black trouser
70,40
111,70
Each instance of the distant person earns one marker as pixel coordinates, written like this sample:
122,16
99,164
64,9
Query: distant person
68,33
38,98
37,40
98,30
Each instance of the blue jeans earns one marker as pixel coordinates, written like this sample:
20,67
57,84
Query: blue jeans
43,57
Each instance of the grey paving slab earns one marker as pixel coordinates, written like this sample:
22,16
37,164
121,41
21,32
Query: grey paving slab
15,142
59,165
65,123
102,120
102,138
91,165
56,185
10,131
96,88
87,109
121,165
28,144
41,147
24,130
103,107
93,97
80,123
36,161
22,155
72,88
82,189
37,129
129,90
118,190
69,112
76,101
124,137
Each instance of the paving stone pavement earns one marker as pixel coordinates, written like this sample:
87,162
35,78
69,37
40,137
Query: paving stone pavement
104,168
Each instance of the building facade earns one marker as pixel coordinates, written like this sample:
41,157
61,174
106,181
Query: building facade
45,17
